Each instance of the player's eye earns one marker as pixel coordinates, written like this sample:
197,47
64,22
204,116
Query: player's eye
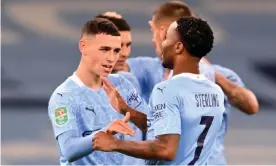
104,49
129,44
117,50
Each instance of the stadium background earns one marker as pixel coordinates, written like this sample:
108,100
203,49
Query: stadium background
39,50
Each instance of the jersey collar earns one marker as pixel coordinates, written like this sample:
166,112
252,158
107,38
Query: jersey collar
190,75
77,80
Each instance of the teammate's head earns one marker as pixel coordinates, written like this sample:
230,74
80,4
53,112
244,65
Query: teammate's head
100,45
162,18
126,39
187,38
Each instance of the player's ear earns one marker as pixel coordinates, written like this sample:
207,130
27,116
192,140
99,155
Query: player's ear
178,47
150,23
82,46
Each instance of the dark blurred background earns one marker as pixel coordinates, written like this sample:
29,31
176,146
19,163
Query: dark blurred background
39,41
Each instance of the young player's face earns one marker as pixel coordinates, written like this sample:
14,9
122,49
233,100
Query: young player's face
100,53
125,50
169,46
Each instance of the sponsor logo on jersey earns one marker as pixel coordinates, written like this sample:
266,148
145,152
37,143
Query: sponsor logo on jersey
61,116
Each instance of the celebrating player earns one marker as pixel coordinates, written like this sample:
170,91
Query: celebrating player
142,67
235,93
125,31
79,108
187,109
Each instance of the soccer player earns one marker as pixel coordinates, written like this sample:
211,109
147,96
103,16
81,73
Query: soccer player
142,67
125,32
187,109
79,108
235,93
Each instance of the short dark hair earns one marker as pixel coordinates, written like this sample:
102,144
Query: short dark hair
172,10
99,26
120,23
196,35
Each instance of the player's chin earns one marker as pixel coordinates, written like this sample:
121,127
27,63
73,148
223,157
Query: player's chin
119,67
105,73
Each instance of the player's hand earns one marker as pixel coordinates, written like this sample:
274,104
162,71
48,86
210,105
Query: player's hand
104,142
114,96
121,126
112,14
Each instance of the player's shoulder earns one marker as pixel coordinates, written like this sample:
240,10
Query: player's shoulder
228,73
131,78
65,92
217,88
144,60
222,69
127,75
164,87
204,65
118,80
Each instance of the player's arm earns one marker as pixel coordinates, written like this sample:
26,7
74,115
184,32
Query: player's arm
62,111
167,130
73,144
132,105
137,117
164,147
238,96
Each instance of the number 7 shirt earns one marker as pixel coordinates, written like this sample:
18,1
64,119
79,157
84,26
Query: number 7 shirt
192,106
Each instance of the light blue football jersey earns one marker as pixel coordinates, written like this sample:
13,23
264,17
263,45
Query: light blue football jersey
131,78
218,157
75,107
192,106
149,71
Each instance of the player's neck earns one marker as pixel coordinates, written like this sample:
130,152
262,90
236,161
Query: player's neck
89,79
166,74
186,65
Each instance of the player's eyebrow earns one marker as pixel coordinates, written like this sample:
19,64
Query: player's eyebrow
105,48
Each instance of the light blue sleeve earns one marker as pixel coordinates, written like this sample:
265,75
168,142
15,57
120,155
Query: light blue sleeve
62,113
207,70
166,112
229,74
74,147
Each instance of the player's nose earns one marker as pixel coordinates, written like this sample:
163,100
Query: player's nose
111,57
123,54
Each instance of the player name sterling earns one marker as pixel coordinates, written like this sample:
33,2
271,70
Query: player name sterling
207,100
